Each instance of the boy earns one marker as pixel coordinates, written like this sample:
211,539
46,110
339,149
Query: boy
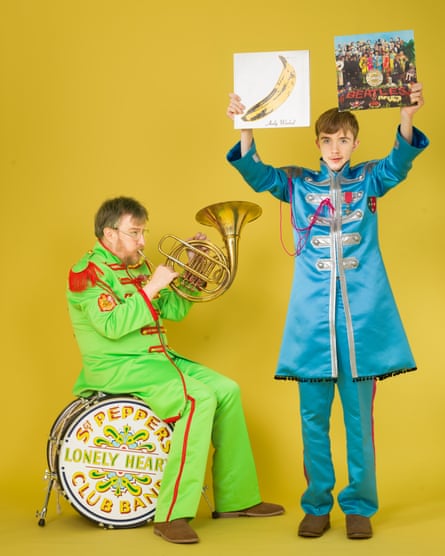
342,326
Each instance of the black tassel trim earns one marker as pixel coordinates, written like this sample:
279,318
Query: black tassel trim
386,375
299,379
357,379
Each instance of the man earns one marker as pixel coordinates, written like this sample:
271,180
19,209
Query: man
116,304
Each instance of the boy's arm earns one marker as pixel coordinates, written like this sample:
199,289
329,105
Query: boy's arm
243,156
246,140
236,108
407,112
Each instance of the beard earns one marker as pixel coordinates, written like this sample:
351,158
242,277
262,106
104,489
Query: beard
131,258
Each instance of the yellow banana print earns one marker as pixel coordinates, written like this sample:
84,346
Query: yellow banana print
281,91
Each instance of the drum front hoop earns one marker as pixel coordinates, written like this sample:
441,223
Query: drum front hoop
63,420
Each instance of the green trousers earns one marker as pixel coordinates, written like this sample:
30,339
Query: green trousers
213,414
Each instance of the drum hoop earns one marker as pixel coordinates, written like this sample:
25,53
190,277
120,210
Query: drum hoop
65,417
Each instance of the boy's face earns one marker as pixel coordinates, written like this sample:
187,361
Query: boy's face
336,148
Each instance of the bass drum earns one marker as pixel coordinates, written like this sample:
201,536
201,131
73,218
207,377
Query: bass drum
109,455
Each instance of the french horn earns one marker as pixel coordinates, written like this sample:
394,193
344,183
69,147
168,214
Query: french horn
205,270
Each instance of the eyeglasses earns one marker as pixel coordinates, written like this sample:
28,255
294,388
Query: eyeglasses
136,235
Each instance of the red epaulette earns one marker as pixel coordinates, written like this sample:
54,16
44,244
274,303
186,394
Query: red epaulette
79,280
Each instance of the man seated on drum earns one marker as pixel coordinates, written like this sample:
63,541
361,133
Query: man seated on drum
116,304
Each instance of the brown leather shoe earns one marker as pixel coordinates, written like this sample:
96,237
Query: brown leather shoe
358,527
312,526
177,531
263,509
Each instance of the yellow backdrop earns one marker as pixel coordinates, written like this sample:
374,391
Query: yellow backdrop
103,97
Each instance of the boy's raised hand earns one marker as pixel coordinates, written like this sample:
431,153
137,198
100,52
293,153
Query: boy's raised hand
417,100
236,107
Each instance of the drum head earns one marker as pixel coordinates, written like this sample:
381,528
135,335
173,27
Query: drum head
111,461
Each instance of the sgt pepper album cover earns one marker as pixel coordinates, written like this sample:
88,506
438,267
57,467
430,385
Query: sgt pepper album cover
274,87
374,70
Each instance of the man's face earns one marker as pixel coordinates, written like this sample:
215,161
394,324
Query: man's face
336,148
127,239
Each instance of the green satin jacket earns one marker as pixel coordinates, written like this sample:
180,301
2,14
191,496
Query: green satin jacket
120,332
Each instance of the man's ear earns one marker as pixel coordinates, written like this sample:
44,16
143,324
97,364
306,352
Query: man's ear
108,233
356,144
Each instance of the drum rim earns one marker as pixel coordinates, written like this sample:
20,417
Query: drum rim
62,421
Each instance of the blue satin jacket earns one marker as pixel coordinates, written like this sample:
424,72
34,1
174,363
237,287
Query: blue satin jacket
336,211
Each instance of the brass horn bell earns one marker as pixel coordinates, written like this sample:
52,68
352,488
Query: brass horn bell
204,268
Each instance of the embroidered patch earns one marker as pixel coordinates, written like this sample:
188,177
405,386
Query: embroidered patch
348,198
106,302
372,204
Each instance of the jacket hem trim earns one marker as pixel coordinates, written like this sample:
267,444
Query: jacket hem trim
355,379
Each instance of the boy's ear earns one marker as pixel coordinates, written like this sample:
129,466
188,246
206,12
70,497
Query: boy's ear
356,144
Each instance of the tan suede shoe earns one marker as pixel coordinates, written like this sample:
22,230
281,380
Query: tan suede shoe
263,509
177,531
358,527
313,526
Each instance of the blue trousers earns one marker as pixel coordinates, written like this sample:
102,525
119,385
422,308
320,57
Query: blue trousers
360,494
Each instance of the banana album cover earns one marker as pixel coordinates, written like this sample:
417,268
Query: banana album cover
274,88
375,70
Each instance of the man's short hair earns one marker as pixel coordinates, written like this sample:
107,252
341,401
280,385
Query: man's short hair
332,121
112,210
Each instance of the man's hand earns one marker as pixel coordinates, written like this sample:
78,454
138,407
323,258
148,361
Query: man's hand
161,278
199,236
